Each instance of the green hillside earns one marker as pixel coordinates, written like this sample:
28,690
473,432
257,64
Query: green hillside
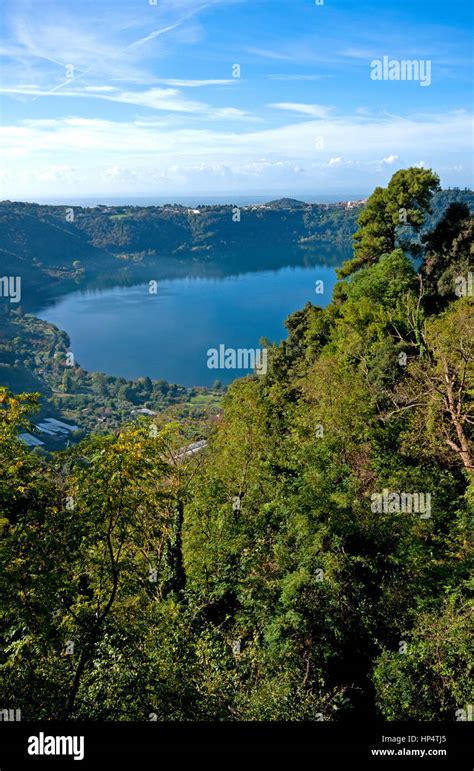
310,562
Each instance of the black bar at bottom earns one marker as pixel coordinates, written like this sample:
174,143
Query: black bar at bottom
45,744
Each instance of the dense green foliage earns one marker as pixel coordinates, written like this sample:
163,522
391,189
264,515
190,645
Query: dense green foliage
390,212
256,579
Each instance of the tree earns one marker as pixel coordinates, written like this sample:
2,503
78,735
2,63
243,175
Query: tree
431,679
97,540
438,391
388,212
66,381
448,256
99,383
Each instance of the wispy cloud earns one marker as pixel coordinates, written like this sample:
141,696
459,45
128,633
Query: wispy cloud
158,32
291,77
134,112
165,99
362,140
97,44
313,110
190,83
267,53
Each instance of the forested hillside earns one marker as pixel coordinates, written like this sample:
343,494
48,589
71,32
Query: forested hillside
53,239
312,561
61,246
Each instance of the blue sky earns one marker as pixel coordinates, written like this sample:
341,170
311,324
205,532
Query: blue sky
126,97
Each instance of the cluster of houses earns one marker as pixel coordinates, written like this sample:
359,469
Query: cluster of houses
180,209
290,207
50,427
348,204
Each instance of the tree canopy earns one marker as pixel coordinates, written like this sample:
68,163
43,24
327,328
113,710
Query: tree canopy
390,212
256,579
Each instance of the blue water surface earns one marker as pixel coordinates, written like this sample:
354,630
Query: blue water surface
128,332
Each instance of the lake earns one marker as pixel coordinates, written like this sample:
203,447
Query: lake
129,332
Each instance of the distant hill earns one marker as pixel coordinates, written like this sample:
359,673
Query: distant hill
287,203
61,244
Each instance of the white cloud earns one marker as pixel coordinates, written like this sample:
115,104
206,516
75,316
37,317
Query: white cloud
193,9
158,99
298,77
119,174
353,137
166,99
190,83
356,150
358,53
99,89
315,110
56,174
267,53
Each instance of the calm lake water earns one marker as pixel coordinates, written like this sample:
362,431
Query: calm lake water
128,332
